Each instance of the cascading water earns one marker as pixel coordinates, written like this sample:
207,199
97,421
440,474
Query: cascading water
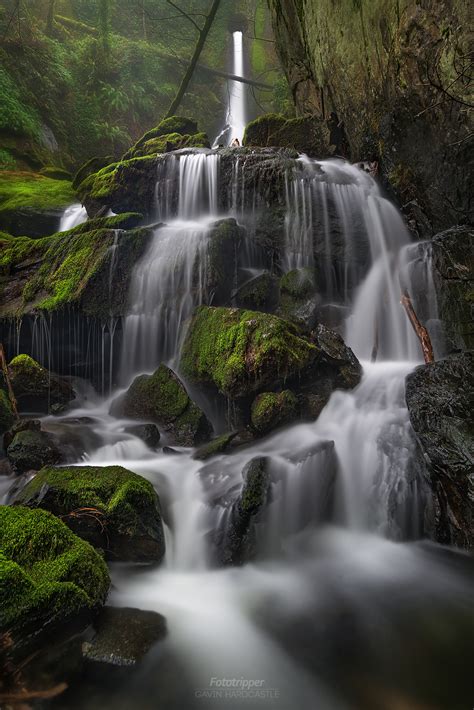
327,614
170,279
73,216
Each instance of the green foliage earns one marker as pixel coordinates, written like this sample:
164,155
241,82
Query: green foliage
16,116
7,161
238,349
46,572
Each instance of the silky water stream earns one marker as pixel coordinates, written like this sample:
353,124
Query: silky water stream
345,606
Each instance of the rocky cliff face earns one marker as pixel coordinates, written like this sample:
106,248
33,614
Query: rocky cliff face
397,74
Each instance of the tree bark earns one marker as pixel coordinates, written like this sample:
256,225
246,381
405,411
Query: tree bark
194,60
50,18
11,394
420,330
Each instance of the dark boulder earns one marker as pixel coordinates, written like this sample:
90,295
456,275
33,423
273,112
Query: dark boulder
31,450
6,413
273,409
261,293
162,398
306,134
123,636
148,433
224,243
235,541
36,389
439,398
112,508
216,446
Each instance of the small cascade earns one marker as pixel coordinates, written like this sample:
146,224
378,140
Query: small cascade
73,216
170,279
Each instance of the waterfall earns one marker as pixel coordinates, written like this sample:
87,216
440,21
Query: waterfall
236,119
73,216
170,279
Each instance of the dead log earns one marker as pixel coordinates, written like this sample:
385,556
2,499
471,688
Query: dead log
6,375
420,330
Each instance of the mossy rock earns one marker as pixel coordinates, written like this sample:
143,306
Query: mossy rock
31,449
56,173
36,389
162,398
216,446
128,185
112,508
273,409
225,239
31,204
261,293
71,267
298,283
48,576
6,413
169,142
306,134
174,125
91,166
241,352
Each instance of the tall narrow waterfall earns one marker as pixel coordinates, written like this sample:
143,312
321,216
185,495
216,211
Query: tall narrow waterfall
236,106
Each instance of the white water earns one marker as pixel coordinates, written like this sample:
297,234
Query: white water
236,111
73,216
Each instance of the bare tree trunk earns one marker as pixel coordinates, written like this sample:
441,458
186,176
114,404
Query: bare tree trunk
11,394
194,60
144,21
420,330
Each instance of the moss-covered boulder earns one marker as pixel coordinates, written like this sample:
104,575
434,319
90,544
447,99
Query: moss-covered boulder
260,293
240,352
162,398
216,446
112,508
56,173
439,398
170,130
273,409
32,204
6,413
48,576
299,301
36,389
70,268
224,242
306,134
91,166
31,449
169,142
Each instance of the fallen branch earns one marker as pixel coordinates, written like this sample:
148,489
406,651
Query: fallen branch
32,694
420,330
11,394
234,77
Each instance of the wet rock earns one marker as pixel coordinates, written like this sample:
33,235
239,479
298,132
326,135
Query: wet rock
273,409
260,293
6,412
235,542
306,134
453,269
148,433
242,353
439,398
48,576
36,389
123,636
31,450
162,398
216,446
224,242
170,451
112,508
299,302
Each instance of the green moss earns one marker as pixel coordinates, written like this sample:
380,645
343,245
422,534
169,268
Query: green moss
106,183
46,572
21,190
91,166
171,141
239,350
6,413
56,173
216,446
306,134
298,283
169,127
273,409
